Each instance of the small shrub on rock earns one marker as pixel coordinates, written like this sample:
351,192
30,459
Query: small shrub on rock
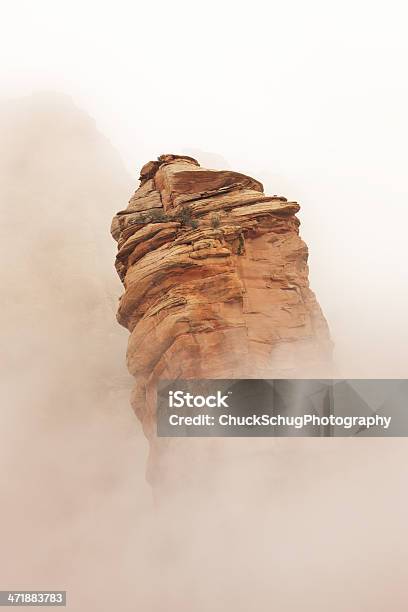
157,215
215,221
186,218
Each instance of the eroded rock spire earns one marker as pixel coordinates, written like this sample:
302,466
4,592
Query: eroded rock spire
216,283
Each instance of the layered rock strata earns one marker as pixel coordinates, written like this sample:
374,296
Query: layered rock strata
216,284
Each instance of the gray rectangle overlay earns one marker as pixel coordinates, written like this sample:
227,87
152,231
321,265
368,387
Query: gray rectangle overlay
33,598
282,408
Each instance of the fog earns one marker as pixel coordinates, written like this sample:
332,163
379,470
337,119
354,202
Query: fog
71,449
308,98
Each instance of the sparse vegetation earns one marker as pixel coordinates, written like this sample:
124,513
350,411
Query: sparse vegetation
186,218
215,221
185,215
157,215
136,220
241,244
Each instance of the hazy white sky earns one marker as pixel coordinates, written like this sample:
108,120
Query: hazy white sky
309,97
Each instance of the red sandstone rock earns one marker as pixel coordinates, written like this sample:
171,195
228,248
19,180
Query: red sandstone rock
216,284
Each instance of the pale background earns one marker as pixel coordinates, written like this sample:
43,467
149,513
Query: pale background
310,98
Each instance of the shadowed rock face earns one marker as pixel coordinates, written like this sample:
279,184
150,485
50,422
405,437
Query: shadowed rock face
216,284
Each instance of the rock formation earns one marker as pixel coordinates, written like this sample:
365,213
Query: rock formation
216,284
